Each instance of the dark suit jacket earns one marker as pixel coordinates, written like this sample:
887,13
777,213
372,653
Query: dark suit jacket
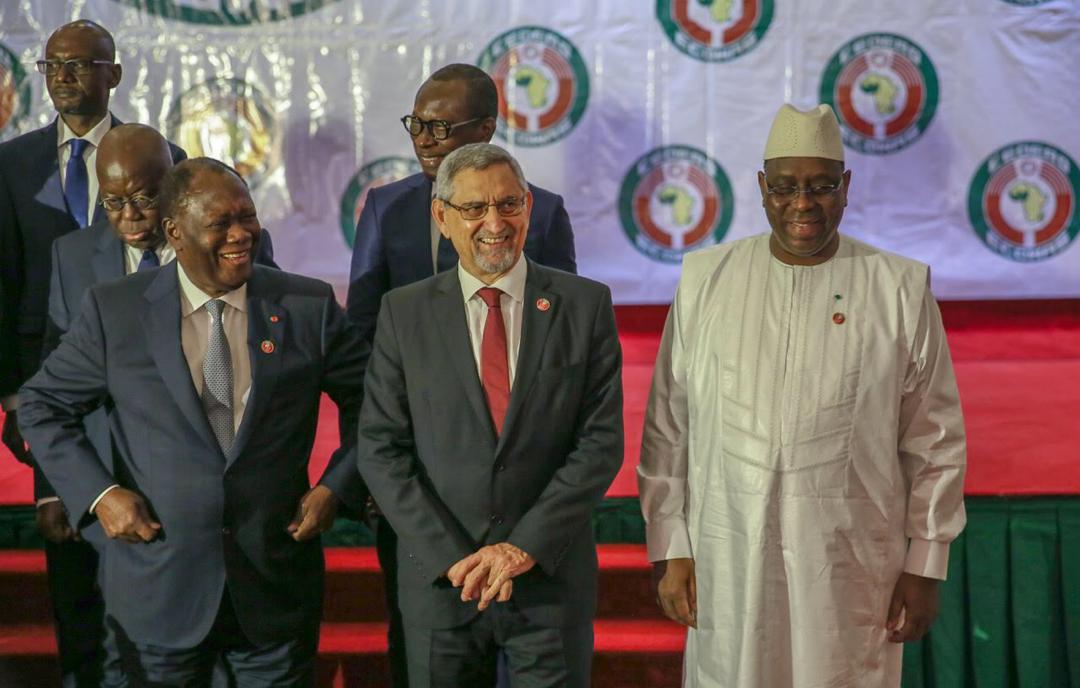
33,213
393,243
429,454
223,517
79,261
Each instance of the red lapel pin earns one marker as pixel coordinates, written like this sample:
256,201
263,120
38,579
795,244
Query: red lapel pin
838,318
274,318
267,346
543,305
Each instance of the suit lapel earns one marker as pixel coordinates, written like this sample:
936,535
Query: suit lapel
448,310
47,167
535,325
417,222
108,260
266,327
161,322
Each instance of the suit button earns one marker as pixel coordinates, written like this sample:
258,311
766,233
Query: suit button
226,531
500,466
497,519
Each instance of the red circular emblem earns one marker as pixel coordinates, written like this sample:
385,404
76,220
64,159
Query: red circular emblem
543,305
838,318
267,346
274,318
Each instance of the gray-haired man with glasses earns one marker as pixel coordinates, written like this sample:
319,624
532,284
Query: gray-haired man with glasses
398,241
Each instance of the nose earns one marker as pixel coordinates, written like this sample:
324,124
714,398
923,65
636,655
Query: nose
425,139
130,212
803,199
240,233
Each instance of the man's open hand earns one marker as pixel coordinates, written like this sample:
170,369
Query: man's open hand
124,515
913,608
488,573
315,514
676,590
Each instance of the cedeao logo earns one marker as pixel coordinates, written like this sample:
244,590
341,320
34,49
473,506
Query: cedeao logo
228,12
14,93
374,174
715,30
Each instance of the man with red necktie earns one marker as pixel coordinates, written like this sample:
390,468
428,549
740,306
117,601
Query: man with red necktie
491,428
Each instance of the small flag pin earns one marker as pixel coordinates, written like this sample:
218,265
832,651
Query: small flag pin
838,318
274,318
267,346
543,304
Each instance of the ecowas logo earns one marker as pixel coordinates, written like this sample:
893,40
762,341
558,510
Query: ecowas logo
375,173
14,92
675,199
884,90
228,12
542,81
231,120
715,30
1022,201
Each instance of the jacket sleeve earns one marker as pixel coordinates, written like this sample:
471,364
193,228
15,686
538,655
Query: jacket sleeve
391,469
53,403
566,504
369,275
559,251
11,275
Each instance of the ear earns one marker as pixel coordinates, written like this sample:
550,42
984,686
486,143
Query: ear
438,213
763,187
844,185
172,233
487,128
117,73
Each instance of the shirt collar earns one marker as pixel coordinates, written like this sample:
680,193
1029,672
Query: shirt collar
193,298
94,136
512,283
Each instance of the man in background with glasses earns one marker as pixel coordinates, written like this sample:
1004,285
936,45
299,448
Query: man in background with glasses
48,188
398,241
491,428
803,453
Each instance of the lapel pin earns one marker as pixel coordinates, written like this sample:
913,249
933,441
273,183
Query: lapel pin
274,318
267,346
543,305
838,318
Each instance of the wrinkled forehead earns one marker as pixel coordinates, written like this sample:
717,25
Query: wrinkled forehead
212,191
79,41
803,168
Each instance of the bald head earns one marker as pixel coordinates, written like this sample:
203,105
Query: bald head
80,73
131,162
93,36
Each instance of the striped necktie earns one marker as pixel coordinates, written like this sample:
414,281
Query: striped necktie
217,395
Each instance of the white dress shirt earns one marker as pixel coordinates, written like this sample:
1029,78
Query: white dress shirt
512,285
63,150
195,338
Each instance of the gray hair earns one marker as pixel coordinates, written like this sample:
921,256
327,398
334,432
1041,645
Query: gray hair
473,156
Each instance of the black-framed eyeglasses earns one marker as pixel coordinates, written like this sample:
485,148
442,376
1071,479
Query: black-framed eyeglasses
787,193
115,204
440,129
78,67
505,207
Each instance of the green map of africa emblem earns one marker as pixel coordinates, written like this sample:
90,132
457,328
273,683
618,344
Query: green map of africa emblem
883,90
682,204
1031,199
535,85
719,10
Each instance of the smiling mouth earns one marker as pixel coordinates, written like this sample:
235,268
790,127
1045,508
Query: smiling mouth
494,241
235,257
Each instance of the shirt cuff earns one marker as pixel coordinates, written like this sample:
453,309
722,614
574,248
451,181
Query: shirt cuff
927,558
104,492
10,403
48,500
668,539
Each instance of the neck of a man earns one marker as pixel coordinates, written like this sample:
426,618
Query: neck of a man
80,124
785,256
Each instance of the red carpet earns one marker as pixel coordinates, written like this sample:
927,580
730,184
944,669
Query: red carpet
1017,363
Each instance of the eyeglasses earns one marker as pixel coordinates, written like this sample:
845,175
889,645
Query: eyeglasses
115,204
507,207
440,129
79,67
785,194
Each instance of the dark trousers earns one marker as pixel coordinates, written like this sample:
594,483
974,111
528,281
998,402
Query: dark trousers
386,548
88,654
226,650
536,656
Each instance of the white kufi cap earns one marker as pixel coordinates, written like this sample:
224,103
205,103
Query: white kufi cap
811,134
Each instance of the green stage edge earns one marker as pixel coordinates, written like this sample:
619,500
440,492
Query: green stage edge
1010,610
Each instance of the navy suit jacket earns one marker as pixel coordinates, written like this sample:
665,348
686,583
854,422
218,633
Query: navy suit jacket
448,484
393,243
33,212
79,261
223,517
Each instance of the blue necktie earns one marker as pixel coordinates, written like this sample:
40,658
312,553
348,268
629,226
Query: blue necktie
77,183
217,395
149,260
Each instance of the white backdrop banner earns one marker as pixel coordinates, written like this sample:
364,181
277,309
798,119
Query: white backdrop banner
959,117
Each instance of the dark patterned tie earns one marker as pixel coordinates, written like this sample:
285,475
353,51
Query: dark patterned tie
494,366
77,183
217,396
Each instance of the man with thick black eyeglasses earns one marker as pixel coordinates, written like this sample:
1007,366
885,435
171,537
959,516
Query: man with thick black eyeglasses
398,241
803,454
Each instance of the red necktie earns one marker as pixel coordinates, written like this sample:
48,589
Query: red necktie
494,370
